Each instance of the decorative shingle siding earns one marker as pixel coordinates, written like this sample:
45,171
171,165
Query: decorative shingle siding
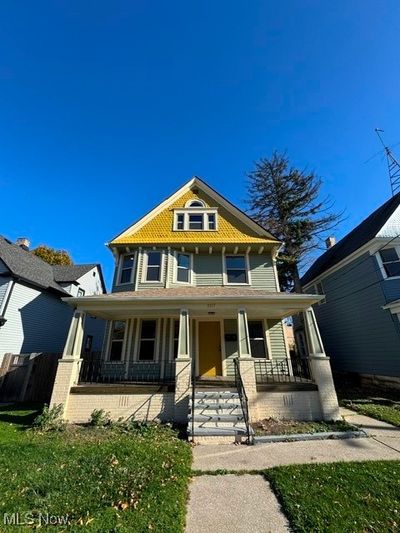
357,333
277,339
262,272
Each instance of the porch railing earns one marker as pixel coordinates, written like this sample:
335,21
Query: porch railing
140,372
243,400
294,370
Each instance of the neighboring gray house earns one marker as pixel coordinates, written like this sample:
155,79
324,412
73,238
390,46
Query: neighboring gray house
359,318
33,315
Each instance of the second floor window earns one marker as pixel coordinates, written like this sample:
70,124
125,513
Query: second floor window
127,268
183,268
236,270
390,261
117,340
153,270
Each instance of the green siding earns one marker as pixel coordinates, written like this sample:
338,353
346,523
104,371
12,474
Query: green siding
208,269
231,347
277,339
262,272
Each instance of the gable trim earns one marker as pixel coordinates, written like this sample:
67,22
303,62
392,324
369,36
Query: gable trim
238,213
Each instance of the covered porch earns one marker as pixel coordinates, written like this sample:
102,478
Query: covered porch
152,329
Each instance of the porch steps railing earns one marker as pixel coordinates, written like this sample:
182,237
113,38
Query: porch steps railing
216,414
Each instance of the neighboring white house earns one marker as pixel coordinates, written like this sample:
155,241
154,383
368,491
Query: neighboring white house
33,316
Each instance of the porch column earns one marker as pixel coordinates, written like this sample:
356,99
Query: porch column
183,369
246,363
321,368
68,366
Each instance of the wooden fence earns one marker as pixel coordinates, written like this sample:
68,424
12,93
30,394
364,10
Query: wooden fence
28,377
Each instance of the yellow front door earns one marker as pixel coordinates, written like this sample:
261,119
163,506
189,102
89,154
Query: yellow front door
210,349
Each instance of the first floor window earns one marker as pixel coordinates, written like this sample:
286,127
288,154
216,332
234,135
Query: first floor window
153,272
183,268
126,268
257,339
390,261
176,338
117,339
147,340
236,271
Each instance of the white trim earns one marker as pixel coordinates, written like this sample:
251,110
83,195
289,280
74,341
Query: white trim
187,205
381,264
168,267
393,307
124,341
205,211
175,268
144,266
133,273
10,285
268,340
156,339
196,183
225,274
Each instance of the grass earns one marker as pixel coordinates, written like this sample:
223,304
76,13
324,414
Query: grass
290,427
380,403
342,497
103,479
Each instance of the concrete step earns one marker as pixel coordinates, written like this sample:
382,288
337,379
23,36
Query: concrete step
215,395
214,432
215,406
216,417
216,425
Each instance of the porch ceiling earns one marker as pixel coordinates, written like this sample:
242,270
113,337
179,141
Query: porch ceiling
200,301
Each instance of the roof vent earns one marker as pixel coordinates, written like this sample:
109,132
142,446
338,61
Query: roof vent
330,241
23,242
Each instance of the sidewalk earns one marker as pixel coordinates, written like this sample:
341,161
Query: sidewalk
231,503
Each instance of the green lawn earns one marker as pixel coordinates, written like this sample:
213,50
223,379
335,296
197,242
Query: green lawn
386,413
342,497
291,427
104,479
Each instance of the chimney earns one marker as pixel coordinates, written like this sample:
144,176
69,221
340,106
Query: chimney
23,242
330,241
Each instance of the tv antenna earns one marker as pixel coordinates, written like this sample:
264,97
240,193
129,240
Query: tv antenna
392,163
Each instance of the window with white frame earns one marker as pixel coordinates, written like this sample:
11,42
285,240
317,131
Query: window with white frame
126,270
257,339
390,262
117,339
81,292
195,218
236,269
195,203
175,338
147,345
183,268
153,266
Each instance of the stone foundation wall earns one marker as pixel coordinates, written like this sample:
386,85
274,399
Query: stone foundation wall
140,406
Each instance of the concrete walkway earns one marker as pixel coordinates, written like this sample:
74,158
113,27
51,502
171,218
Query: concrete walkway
230,503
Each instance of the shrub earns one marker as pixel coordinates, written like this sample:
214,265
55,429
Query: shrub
51,419
99,418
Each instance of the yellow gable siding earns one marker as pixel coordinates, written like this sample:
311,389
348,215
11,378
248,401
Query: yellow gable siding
160,228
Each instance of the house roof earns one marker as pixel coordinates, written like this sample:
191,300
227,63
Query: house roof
71,273
234,226
27,266
360,235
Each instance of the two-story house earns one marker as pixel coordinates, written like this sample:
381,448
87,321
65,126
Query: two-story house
195,317
359,316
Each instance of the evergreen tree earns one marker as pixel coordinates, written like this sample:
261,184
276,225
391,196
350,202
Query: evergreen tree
286,201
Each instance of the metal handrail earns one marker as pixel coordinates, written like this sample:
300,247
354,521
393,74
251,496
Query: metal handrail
243,399
193,394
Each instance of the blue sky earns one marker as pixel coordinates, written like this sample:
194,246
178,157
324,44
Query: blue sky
107,107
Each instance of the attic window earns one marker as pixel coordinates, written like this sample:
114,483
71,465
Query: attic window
195,203
195,218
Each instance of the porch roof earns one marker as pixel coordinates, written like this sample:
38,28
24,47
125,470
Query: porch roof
198,300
